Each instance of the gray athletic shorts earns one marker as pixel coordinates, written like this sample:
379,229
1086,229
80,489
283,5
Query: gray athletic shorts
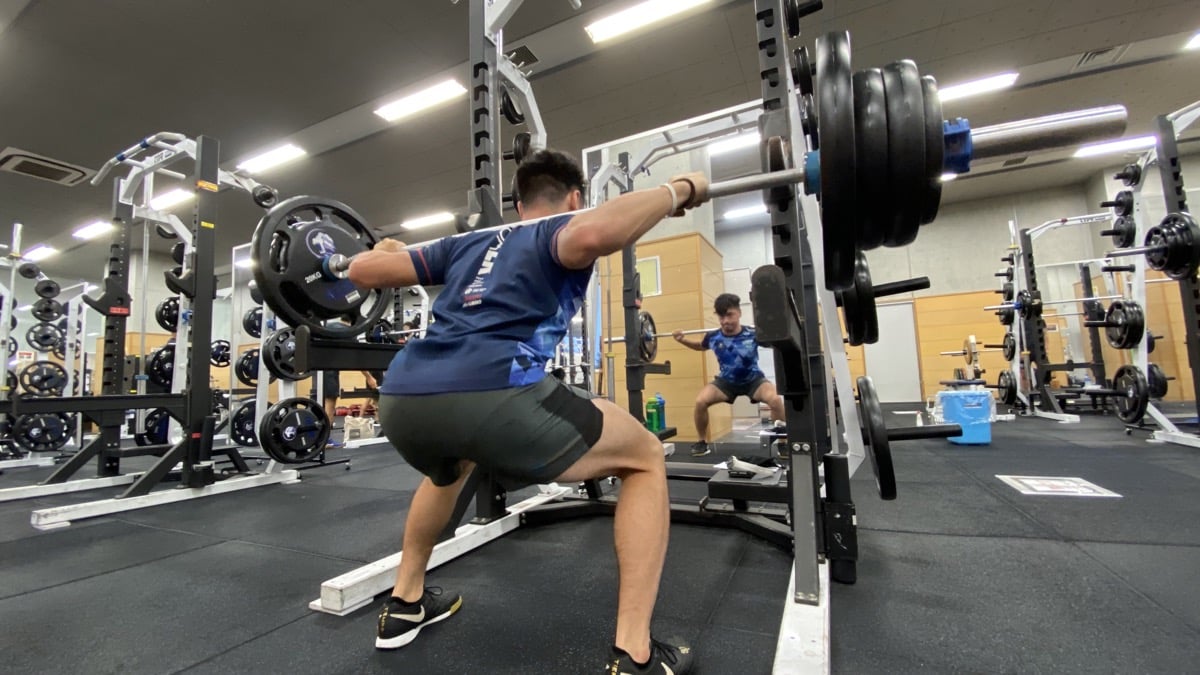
523,435
733,390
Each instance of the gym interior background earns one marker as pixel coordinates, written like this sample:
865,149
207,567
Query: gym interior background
963,572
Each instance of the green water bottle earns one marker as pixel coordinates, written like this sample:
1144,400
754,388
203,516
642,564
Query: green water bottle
652,415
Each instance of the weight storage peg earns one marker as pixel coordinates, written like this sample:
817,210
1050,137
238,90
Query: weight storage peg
1123,232
1122,204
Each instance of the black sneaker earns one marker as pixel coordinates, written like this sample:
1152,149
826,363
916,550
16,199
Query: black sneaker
700,449
673,657
400,623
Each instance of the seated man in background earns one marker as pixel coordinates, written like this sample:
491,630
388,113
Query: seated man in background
475,390
737,355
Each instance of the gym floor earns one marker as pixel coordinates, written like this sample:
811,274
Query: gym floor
962,573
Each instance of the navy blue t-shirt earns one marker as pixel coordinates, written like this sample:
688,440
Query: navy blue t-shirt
504,308
737,355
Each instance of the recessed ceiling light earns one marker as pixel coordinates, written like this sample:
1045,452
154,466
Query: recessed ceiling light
422,100
173,198
272,158
430,220
637,16
745,212
92,230
730,144
40,252
976,87
1120,145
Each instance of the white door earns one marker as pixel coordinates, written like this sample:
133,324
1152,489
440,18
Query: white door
892,362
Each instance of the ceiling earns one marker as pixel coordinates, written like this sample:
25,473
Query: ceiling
84,79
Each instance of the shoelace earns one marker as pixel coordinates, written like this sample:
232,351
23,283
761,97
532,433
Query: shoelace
668,651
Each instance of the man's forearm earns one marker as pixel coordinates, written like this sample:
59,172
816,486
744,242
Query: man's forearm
382,269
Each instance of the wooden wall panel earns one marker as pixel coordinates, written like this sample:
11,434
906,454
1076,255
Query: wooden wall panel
943,322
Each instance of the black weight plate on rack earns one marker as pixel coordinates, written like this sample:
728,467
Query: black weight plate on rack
43,336
44,378
1006,387
508,108
1157,381
220,353
279,353
802,70
246,368
157,424
858,306
161,367
166,314
1179,236
935,150
43,432
1125,324
835,125
878,446
252,322
294,431
47,309
1133,394
871,159
647,337
906,151
1124,232
1010,347
522,146
243,426
1007,316
46,288
1006,291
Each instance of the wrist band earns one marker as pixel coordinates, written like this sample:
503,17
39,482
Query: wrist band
692,197
674,197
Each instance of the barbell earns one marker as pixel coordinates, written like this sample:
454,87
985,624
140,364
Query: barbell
1130,392
1171,247
1030,304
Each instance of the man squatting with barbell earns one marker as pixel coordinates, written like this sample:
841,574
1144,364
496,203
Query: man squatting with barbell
736,350
509,295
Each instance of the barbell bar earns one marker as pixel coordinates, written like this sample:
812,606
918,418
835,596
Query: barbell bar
1171,247
696,331
1053,302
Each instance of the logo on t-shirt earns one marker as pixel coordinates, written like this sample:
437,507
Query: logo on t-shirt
473,295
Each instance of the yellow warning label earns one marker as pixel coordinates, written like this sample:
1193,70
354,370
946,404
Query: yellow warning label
205,223
205,185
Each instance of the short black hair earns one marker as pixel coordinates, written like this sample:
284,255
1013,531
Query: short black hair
726,302
548,175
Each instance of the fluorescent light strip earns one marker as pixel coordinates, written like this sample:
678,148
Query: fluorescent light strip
173,198
730,144
92,230
422,100
976,87
947,177
1120,145
1194,43
745,212
637,16
245,263
24,308
272,158
430,220
39,253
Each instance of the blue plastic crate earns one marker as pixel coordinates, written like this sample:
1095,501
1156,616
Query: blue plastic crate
972,410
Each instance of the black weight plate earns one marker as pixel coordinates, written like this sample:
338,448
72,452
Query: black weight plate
1006,291
1006,386
802,70
935,150
1124,232
294,431
1125,324
246,368
47,309
1010,346
858,306
44,378
1151,338
43,432
791,17
522,146
876,438
1133,394
244,424
264,196
647,337
255,294
29,270
508,108
220,353
906,151
279,352
1157,381
166,314
1007,316
252,322
1006,274
161,368
177,252
46,288
43,336
871,146
835,125
288,248
808,121
381,332
1179,236
158,422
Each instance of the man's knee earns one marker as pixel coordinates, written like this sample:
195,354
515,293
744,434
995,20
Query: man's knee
645,456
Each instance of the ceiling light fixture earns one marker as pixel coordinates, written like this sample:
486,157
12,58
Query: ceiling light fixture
745,212
422,100
244,263
637,16
272,158
947,177
976,87
173,198
39,253
738,142
90,287
440,218
92,230
24,308
1194,43
1119,145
